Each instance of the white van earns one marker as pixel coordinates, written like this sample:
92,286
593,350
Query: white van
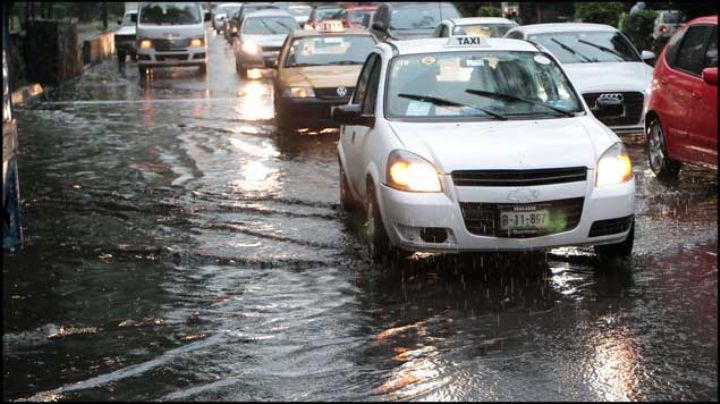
171,34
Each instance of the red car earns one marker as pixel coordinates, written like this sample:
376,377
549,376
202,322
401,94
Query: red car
355,17
681,115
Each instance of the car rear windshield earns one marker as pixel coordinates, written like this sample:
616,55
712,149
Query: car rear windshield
180,13
358,16
327,13
438,86
484,30
588,47
300,11
269,25
329,50
424,16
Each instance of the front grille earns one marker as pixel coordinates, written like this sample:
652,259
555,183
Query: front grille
483,219
633,103
610,226
161,58
165,45
331,93
511,178
124,38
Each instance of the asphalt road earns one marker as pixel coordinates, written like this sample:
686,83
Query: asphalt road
178,248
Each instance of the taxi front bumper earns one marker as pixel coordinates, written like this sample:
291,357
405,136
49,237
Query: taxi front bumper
180,57
408,217
310,112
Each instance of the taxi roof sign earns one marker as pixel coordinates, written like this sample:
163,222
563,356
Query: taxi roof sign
466,41
331,26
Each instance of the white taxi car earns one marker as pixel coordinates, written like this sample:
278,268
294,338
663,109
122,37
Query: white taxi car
480,144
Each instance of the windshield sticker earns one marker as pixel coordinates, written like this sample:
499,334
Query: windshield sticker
332,40
427,60
475,63
492,62
542,59
418,108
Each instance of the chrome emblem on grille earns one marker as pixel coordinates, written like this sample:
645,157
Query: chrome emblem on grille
341,91
611,96
523,195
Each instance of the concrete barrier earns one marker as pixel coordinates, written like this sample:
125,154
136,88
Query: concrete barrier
98,49
26,93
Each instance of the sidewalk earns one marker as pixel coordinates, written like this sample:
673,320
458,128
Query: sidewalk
89,30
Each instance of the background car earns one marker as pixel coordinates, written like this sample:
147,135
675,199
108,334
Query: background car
668,22
125,37
602,63
316,71
488,27
682,114
322,12
353,17
221,12
260,38
301,12
233,24
410,20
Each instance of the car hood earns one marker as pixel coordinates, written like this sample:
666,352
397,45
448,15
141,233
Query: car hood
170,31
126,30
266,40
321,76
411,33
520,144
599,77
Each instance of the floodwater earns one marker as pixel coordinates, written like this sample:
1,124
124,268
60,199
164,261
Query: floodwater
178,248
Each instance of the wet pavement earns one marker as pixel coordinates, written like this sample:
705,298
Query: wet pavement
178,248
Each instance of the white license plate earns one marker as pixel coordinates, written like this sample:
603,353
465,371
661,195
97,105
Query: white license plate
536,220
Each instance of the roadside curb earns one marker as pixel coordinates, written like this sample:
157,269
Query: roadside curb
26,93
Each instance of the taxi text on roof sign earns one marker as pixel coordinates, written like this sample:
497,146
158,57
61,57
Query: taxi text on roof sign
331,26
465,41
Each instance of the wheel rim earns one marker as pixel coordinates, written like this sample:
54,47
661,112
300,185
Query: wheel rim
370,224
655,149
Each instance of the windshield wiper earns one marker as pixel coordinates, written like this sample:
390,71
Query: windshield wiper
448,103
285,26
571,50
516,98
602,48
268,27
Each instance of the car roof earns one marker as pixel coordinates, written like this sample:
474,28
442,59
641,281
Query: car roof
563,27
415,3
481,20
708,19
269,12
304,33
427,45
225,5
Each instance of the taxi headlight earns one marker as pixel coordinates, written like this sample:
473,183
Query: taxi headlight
250,47
298,92
613,167
409,172
197,43
145,44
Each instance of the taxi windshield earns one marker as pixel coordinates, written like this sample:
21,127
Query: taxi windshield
483,30
588,47
483,84
170,13
329,50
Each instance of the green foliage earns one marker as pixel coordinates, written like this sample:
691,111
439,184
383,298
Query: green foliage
488,11
639,28
16,63
607,13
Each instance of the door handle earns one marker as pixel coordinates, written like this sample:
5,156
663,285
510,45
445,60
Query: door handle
663,81
352,137
696,94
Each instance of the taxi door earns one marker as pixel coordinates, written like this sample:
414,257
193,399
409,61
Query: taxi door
354,137
702,116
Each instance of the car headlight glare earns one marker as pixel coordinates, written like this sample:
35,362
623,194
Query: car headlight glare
197,43
299,92
614,166
145,44
250,47
409,172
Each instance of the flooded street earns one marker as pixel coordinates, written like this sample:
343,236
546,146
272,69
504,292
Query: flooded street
178,248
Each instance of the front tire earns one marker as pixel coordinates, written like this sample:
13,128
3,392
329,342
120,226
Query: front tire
346,199
203,68
664,168
377,238
620,250
121,56
143,71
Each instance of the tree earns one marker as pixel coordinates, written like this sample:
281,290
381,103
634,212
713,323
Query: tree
607,13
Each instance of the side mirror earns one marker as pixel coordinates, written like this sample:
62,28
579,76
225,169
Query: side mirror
378,26
608,108
350,115
709,75
206,17
647,55
366,20
120,21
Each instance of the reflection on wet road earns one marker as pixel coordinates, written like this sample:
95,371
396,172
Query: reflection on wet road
178,248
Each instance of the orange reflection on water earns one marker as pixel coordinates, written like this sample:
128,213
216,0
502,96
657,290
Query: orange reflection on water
254,102
615,370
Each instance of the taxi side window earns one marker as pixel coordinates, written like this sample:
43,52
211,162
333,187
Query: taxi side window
443,31
692,51
711,54
363,79
368,105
